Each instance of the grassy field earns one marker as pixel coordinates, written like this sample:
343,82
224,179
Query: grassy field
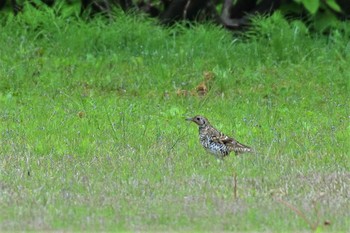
93,136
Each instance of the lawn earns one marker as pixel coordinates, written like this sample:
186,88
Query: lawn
93,134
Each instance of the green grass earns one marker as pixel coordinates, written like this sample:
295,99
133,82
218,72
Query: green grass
93,135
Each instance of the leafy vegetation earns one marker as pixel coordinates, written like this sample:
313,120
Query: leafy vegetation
320,15
93,135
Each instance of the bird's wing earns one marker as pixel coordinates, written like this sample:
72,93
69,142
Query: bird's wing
231,143
221,138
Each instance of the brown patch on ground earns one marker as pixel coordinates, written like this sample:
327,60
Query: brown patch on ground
201,89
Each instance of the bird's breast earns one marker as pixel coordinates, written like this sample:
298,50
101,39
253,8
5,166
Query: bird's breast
213,147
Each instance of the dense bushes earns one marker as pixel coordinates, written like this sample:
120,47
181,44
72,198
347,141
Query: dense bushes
234,15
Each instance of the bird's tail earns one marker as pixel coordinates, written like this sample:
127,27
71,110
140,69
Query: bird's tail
240,148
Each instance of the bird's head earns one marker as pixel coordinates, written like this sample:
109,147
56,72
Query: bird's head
199,120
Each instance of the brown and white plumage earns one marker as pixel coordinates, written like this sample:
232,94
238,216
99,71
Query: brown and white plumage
216,142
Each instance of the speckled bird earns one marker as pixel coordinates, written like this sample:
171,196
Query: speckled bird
216,142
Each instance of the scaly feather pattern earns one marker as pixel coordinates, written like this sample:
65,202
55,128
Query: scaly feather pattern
216,142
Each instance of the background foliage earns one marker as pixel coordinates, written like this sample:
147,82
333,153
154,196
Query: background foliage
320,15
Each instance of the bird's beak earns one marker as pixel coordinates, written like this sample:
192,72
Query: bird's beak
189,119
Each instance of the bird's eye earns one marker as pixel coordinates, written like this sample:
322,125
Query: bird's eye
198,119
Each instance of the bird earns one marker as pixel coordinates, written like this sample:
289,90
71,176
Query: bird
216,142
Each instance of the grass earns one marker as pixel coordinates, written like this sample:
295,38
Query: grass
93,135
